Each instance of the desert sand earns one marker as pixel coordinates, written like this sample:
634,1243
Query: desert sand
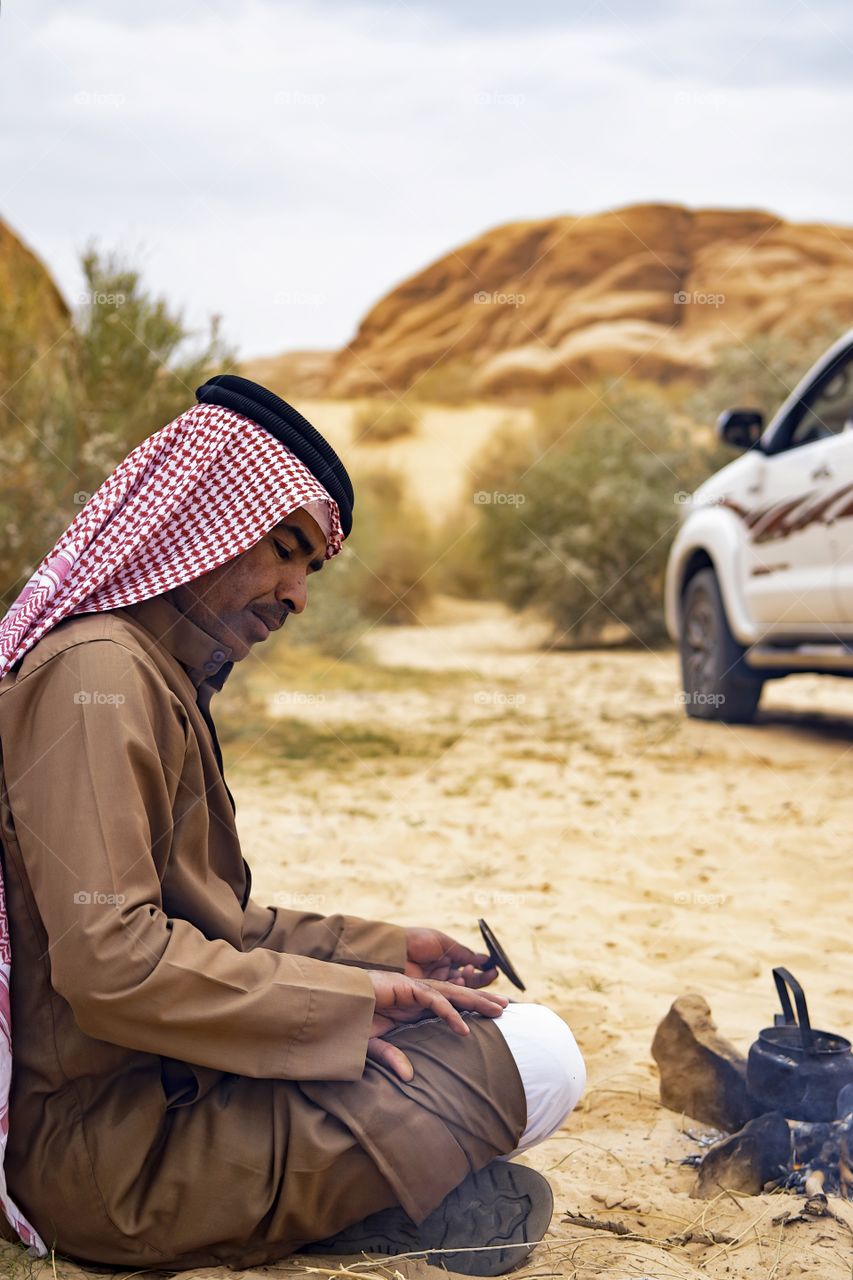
439,459
623,853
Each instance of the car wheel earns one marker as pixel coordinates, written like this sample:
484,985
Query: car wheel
717,683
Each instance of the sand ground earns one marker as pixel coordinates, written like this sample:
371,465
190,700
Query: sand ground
625,854
438,459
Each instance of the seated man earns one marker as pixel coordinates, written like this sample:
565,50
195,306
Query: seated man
198,1079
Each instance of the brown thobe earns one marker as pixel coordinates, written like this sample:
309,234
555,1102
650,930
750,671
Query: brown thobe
190,1082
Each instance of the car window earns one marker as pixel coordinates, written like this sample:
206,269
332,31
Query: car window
829,410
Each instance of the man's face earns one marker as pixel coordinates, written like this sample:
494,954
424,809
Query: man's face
242,601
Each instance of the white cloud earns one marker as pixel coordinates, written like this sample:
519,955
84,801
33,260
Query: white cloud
284,164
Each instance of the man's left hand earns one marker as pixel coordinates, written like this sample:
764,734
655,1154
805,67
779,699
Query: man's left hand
432,954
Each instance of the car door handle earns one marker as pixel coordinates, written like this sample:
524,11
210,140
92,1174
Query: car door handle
823,472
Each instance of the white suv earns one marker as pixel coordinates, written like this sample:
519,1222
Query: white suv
760,577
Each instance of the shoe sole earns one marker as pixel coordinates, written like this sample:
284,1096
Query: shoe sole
504,1209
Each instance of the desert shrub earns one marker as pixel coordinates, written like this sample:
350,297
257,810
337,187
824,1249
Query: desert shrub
138,364
40,433
125,367
459,565
334,621
576,516
450,382
389,550
761,373
382,421
380,576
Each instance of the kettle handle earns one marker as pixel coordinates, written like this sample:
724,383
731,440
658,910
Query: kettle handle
782,977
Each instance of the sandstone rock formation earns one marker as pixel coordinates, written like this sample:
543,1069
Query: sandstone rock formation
651,288
293,373
28,293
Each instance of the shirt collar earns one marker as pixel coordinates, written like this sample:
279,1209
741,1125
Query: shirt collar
203,656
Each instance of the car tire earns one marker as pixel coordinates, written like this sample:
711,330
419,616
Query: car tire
717,684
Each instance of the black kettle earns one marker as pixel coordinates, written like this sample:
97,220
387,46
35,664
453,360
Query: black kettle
794,1069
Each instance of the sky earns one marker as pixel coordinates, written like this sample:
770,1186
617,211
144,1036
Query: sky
284,164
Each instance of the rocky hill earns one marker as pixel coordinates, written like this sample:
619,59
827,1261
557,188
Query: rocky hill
28,295
653,289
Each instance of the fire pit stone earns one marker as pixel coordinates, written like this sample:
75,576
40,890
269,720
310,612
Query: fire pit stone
702,1075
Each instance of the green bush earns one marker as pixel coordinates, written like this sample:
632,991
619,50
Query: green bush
576,516
380,576
389,553
761,373
126,366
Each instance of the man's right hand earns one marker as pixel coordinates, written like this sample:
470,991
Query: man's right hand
402,999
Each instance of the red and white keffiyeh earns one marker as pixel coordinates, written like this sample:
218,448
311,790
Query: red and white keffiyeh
200,491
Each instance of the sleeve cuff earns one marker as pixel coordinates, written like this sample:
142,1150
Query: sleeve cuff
371,944
332,1043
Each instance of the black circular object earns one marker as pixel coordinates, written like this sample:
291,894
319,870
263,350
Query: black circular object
287,425
794,1068
500,959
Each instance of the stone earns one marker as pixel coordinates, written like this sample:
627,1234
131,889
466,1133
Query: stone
759,1153
701,1074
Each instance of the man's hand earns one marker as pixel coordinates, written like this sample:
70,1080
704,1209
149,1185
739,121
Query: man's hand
403,999
432,954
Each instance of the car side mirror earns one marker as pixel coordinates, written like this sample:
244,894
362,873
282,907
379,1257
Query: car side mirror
740,428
